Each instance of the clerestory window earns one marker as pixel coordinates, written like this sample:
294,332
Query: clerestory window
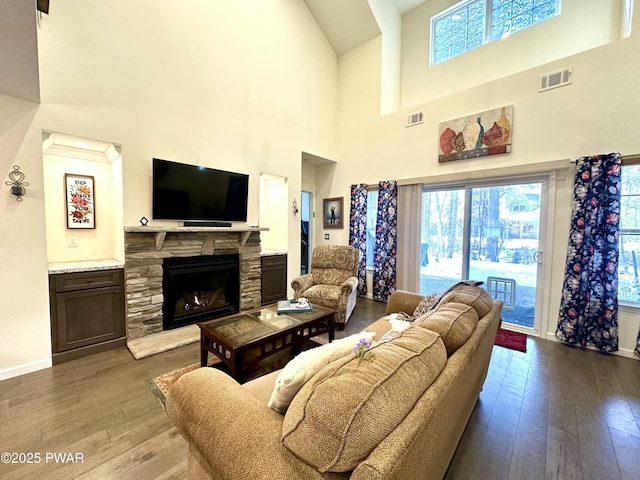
472,23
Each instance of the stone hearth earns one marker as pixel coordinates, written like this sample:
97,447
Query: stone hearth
145,249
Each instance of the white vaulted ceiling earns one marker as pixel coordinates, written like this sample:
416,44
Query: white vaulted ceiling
347,24
19,75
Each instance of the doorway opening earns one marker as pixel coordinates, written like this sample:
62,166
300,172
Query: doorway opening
305,231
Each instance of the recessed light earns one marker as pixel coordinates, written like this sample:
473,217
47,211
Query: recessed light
82,144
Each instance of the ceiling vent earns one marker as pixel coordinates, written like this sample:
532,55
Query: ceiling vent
555,79
414,119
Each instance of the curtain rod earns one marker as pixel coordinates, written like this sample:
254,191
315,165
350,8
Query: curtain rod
628,159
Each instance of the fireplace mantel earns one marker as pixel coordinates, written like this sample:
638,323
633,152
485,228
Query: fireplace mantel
161,232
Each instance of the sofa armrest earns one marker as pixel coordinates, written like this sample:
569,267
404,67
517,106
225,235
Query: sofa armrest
403,301
225,424
301,283
348,286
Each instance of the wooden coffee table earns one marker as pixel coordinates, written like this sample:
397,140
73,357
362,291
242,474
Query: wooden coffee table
244,342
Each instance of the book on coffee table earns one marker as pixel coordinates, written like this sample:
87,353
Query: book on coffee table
291,306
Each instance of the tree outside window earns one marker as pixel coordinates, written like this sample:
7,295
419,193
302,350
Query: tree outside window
466,25
629,238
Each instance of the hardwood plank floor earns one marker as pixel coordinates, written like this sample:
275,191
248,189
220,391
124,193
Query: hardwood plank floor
552,413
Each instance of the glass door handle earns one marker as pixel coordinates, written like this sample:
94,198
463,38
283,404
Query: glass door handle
537,257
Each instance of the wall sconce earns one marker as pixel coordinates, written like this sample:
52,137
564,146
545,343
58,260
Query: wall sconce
17,183
294,207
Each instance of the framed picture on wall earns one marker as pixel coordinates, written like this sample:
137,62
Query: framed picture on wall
332,212
80,201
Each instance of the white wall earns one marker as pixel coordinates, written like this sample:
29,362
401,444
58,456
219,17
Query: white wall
248,86
598,113
243,86
25,344
91,244
582,24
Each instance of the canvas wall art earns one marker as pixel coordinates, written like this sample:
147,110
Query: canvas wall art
80,201
477,135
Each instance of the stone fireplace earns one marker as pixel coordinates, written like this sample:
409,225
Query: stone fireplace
147,248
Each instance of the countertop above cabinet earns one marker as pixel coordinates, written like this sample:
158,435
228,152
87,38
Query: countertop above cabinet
84,266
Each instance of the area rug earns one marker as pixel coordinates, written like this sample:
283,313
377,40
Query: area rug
510,339
161,384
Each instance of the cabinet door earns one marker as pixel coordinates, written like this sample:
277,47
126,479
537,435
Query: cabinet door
89,316
274,278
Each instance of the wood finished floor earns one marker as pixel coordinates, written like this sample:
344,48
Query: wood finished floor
551,413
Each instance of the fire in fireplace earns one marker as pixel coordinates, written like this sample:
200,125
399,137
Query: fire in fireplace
199,288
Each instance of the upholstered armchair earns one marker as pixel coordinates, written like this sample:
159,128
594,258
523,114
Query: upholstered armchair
332,281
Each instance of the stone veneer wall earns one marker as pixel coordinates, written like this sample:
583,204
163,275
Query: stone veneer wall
144,253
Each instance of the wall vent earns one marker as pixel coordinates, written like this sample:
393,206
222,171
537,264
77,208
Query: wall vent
414,119
555,79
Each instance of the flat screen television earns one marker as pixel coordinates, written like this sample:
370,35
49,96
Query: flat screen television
200,194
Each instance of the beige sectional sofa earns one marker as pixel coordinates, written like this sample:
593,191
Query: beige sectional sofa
399,415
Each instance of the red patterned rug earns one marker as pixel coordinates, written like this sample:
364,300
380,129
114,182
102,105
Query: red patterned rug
513,340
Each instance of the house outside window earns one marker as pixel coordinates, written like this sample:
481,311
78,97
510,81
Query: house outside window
372,214
629,238
472,23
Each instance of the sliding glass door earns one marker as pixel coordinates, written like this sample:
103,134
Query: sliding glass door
488,233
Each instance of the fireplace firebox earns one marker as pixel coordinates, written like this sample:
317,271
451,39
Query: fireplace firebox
199,288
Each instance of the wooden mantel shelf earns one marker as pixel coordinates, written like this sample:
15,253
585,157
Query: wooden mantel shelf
161,232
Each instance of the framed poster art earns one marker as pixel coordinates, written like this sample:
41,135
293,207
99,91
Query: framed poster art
332,212
80,201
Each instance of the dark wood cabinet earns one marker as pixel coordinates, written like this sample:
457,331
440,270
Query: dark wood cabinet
274,278
87,313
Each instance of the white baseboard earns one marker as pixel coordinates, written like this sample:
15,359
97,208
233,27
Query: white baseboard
24,369
622,352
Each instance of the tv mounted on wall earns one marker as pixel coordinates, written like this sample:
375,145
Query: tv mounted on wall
198,194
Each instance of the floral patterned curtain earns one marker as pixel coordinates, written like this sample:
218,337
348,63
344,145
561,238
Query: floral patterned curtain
358,231
589,304
384,253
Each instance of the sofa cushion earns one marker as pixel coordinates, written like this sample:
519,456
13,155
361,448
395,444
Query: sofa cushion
300,369
455,322
325,295
350,406
476,297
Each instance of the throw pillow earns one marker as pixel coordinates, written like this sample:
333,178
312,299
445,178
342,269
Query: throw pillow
305,365
426,304
341,415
